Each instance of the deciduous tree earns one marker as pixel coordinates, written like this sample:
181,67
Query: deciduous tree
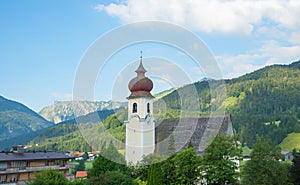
109,160
220,162
49,177
264,167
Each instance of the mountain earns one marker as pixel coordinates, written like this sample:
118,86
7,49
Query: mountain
67,135
17,119
65,110
264,103
64,129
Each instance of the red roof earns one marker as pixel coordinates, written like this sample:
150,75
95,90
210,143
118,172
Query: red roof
81,174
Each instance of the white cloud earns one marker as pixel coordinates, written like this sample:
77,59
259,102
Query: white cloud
62,96
279,54
270,53
225,16
235,66
294,38
274,20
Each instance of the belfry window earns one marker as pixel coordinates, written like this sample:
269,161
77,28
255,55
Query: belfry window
134,108
148,107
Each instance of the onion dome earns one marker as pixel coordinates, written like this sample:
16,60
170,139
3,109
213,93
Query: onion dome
140,86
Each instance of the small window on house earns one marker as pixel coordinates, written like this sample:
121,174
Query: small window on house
13,178
59,162
2,178
134,108
148,107
19,164
3,165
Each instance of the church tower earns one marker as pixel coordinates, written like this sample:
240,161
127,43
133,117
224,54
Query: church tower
140,127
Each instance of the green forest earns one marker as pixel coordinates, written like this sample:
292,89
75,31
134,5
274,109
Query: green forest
264,103
219,165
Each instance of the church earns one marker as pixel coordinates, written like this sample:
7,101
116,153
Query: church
144,135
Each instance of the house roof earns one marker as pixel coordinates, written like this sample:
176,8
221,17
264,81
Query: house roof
81,174
30,156
199,131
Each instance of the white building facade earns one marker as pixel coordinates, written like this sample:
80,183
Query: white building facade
140,127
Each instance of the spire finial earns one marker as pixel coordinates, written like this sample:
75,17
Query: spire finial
141,70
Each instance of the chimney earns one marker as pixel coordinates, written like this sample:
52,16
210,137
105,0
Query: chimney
18,149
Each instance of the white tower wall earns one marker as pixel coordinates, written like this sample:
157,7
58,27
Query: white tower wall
140,130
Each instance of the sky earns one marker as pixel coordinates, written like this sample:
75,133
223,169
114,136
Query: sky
44,43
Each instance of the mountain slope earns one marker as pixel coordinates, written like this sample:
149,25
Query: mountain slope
264,103
17,119
66,110
67,135
63,129
256,102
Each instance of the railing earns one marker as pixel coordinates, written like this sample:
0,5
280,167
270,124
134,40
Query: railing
70,165
37,168
9,170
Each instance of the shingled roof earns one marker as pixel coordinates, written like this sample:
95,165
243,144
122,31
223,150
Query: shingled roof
28,156
198,131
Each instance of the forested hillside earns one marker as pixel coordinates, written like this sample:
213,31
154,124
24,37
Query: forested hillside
68,135
17,119
263,103
266,103
67,130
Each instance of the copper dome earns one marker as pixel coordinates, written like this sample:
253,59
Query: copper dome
140,85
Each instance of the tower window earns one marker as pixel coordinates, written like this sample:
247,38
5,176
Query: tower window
134,108
148,107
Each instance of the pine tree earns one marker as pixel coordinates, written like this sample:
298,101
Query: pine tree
155,175
80,166
171,146
295,170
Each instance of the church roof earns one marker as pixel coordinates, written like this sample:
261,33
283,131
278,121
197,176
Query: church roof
141,68
140,86
198,131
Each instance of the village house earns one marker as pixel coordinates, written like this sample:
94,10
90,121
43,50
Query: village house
19,166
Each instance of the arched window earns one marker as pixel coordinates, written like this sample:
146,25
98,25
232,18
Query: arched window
148,107
134,108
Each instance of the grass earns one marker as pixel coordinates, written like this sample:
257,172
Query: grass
277,123
246,150
122,151
290,142
88,164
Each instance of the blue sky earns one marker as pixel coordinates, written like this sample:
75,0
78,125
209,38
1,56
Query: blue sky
43,42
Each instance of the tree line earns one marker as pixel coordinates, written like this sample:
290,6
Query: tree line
219,165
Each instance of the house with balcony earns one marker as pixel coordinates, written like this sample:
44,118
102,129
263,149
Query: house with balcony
18,166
